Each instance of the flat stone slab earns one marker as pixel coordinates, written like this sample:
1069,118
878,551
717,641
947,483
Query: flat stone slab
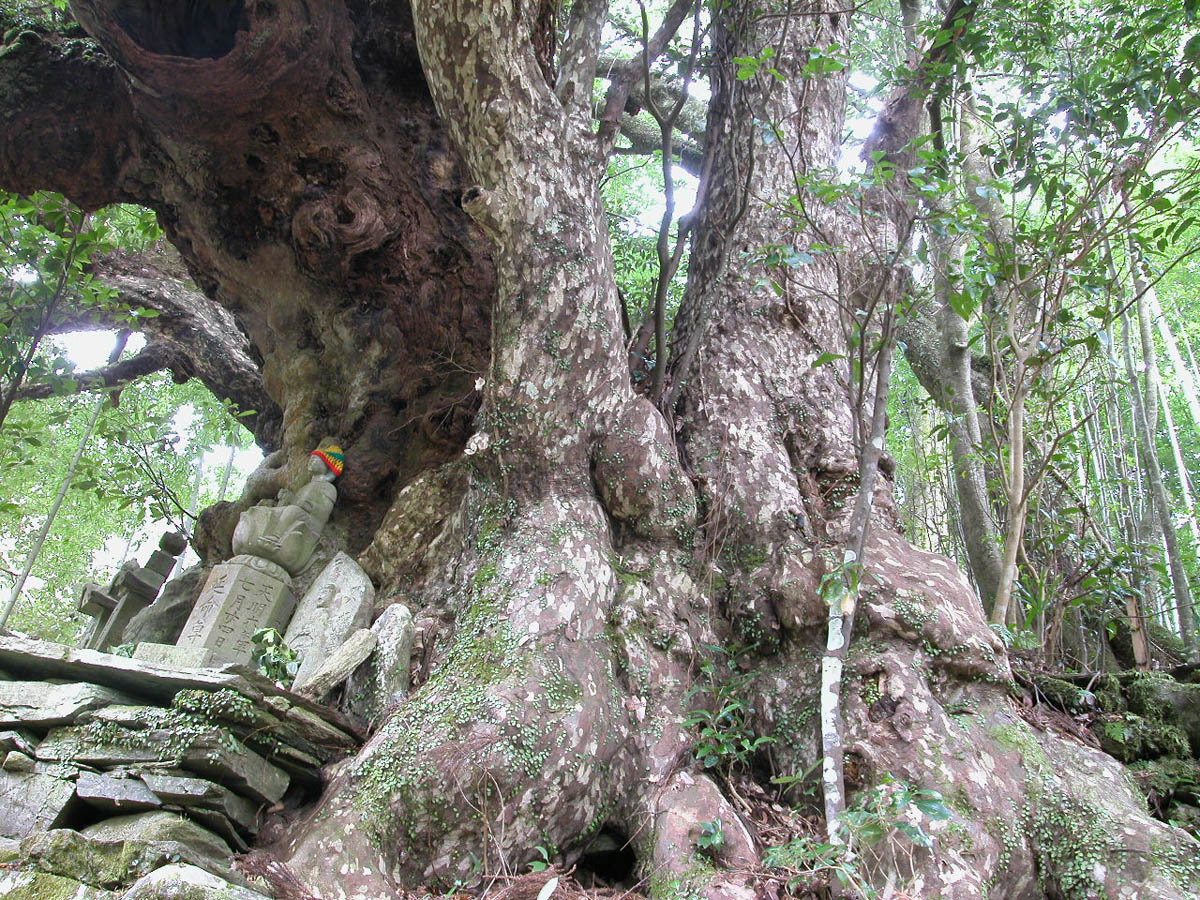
173,656
31,802
214,753
198,792
340,664
29,659
38,704
115,795
71,744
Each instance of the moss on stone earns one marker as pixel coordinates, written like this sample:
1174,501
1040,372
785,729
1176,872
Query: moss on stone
1143,691
1108,693
1130,737
1168,778
44,886
1063,694
687,885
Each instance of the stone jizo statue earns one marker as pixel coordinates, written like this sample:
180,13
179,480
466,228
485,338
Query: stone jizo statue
253,590
287,534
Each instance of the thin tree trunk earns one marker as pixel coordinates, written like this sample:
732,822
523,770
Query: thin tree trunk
228,470
1185,487
1158,496
1185,377
1142,583
841,613
63,487
1018,505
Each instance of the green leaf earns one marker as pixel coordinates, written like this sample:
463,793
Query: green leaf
914,834
963,304
826,358
934,808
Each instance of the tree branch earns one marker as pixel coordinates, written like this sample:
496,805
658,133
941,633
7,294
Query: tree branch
901,118
577,67
645,137
152,358
66,121
624,77
209,343
664,92
207,340
191,335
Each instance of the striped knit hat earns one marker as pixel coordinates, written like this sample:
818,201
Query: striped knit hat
332,456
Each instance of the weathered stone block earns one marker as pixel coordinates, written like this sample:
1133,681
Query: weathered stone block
197,792
337,604
173,656
160,564
38,704
237,767
23,741
16,761
94,601
119,795
117,861
129,603
163,621
338,666
240,597
33,802
155,827
182,882
219,825
26,885
385,673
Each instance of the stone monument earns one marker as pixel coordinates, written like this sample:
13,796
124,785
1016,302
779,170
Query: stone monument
253,590
337,604
132,590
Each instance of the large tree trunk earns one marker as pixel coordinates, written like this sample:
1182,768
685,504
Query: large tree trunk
572,564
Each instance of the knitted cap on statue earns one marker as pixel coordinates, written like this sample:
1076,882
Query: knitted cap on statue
332,456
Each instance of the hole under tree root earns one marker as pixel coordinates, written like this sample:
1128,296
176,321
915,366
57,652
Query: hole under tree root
608,861
199,29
